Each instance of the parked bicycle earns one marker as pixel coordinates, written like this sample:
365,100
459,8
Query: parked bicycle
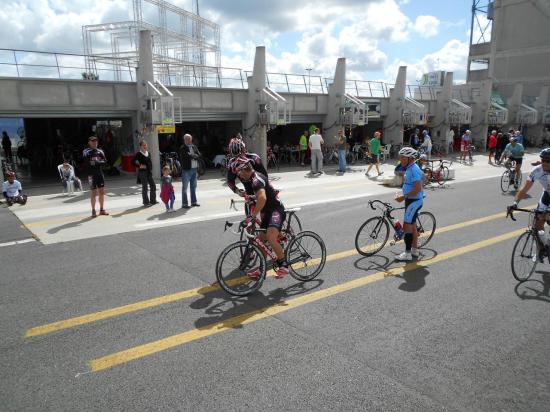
272,160
171,159
530,248
375,232
509,176
437,173
305,253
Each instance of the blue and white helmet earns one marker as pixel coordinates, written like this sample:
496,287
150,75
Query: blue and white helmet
408,152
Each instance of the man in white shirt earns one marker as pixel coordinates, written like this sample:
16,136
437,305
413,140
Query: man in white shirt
315,142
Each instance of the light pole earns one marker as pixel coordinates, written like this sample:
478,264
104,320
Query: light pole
309,69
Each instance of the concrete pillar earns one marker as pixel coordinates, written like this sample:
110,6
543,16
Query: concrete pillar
479,126
393,125
540,105
336,101
442,110
145,73
256,135
514,105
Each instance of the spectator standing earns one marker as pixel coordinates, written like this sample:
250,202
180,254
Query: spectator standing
167,194
303,147
414,139
13,191
189,155
374,153
6,146
492,145
340,141
465,144
519,137
315,142
501,144
94,159
142,160
426,144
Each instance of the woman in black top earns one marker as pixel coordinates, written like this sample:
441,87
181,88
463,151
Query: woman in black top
142,160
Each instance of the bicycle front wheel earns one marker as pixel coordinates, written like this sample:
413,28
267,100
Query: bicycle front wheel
505,181
524,256
372,236
306,254
425,226
241,269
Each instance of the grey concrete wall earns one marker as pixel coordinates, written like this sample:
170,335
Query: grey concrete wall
20,96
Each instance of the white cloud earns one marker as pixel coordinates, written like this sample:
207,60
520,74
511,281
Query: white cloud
426,26
452,57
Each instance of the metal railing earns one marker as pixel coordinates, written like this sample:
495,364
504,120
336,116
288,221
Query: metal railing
28,63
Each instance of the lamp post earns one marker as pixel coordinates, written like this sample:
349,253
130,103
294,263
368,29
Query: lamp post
309,69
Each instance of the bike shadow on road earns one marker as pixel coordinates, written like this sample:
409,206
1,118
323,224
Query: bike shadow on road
535,289
234,311
414,274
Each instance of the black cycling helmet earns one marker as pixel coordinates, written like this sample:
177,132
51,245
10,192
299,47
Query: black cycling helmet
237,147
545,154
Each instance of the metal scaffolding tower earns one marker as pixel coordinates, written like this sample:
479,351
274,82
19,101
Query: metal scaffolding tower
186,47
480,32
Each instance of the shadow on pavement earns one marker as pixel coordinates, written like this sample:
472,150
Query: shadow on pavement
534,289
242,308
128,211
69,225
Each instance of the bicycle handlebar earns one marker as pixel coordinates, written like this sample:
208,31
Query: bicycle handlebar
384,204
510,212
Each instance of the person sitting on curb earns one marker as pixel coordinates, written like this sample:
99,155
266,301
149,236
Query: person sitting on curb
13,191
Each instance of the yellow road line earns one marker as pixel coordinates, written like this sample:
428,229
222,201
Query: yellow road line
161,300
150,348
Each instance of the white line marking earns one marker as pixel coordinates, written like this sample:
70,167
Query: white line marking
17,242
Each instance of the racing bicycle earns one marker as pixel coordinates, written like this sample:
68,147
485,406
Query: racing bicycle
375,232
305,253
509,176
437,174
530,248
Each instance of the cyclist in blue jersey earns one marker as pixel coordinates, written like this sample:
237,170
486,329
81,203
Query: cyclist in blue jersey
515,152
413,195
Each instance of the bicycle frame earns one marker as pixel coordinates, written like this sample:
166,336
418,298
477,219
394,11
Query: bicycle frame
531,227
387,215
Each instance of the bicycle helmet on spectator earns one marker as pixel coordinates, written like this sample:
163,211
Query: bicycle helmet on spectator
545,154
236,147
9,173
408,152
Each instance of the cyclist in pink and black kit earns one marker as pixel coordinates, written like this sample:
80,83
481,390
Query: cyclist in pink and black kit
237,151
270,209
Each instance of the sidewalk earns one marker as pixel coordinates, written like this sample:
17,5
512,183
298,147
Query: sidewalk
56,218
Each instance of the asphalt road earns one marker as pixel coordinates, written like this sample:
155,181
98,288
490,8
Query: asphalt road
453,332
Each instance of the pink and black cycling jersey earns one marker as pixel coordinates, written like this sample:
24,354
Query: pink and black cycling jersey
256,163
98,157
260,181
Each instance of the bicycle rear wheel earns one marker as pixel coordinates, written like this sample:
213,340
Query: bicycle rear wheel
306,254
234,265
524,256
372,236
505,181
425,226
443,175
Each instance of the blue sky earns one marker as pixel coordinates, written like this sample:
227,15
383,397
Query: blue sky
375,36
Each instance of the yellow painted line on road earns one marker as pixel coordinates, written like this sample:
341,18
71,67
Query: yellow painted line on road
151,348
161,300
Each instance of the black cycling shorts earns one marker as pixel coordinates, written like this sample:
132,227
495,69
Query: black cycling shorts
96,181
274,218
518,160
